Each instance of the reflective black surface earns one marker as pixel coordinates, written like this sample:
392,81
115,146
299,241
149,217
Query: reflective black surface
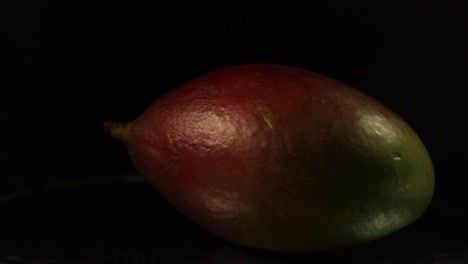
123,220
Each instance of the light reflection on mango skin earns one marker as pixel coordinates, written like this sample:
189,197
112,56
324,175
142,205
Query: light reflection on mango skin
380,222
380,126
224,205
214,130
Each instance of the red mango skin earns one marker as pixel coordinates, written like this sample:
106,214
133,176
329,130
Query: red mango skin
280,158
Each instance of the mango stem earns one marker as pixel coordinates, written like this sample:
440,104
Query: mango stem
117,130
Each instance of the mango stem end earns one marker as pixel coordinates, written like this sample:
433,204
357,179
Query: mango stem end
117,130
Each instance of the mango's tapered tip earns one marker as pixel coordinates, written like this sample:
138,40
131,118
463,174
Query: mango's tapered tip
117,130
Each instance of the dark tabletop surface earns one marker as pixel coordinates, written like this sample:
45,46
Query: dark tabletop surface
123,220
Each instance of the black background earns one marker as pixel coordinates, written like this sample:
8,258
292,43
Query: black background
72,65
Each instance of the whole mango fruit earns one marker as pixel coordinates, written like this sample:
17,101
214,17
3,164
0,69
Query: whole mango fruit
280,158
